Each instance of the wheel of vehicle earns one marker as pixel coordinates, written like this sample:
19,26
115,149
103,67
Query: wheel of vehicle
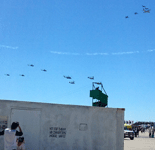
131,138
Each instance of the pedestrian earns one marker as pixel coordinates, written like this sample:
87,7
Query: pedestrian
136,132
20,143
150,132
10,136
138,129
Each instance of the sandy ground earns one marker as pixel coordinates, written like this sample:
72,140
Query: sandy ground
143,142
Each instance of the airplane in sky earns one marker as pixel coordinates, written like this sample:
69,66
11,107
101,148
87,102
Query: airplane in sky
72,82
7,74
146,10
136,13
67,77
92,78
126,17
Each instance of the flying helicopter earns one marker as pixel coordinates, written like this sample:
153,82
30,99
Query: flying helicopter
22,75
67,77
98,83
31,65
135,13
92,78
43,70
7,74
126,17
72,82
146,10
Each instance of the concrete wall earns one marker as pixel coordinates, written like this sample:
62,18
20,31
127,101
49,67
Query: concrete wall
66,127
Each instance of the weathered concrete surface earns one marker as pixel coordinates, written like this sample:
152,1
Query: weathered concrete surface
66,127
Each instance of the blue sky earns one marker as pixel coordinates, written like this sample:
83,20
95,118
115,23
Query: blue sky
80,39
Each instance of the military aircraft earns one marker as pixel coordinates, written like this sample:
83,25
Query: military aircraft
72,82
143,6
126,17
92,78
67,77
136,13
31,65
7,74
146,10
97,82
43,70
22,75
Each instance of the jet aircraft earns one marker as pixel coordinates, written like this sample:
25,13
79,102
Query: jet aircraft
67,77
72,82
7,74
126,17
43,70
92,78
143,6
136,13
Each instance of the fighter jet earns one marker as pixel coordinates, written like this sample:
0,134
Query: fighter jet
143,6
72,82
146,11
7,74
22,75
136,13
92,78
43,70
67,77
31,65
126,17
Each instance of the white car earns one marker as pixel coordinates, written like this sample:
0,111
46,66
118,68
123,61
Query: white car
129,134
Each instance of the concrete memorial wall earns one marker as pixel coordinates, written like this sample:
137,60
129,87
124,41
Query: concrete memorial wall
65,127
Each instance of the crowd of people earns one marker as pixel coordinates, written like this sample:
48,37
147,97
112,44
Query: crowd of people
138,129
13,139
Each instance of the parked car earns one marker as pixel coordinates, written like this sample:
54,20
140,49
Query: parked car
128,132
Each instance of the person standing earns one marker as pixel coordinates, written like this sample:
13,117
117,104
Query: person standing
150,132
136,132
10,136
138,129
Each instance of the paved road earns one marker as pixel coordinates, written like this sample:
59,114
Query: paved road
143,142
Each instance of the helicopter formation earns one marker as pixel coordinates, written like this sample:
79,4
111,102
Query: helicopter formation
31,65
145,10
44,70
